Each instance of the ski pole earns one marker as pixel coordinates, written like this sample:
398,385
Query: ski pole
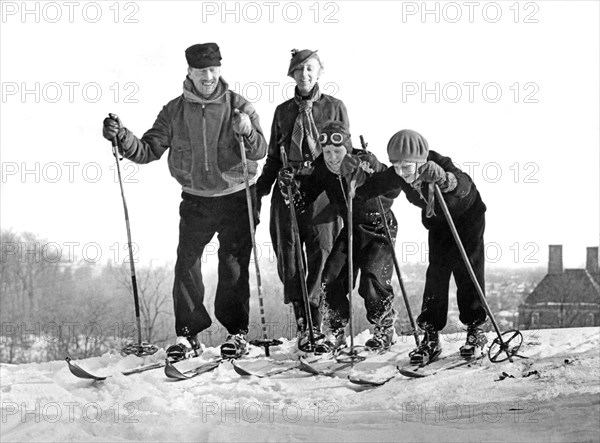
265,342
388,235
350,270
352,355
299,258
140,348
502,344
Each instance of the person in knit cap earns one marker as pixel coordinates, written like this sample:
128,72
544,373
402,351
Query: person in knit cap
296,127
415,170
344,174
202,129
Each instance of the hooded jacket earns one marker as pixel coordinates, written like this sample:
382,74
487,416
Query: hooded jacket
204,155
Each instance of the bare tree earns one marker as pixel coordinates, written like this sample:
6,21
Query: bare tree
154,291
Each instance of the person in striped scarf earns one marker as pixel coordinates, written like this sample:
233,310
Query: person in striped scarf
296,126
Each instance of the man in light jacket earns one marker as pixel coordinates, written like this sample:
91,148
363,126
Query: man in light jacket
201,129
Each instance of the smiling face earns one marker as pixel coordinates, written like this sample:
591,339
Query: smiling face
406,170
205,80
333,156
307,74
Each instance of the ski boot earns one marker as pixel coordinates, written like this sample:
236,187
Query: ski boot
382,339
235,346
184,348
428,351
303,342
334,340
475,343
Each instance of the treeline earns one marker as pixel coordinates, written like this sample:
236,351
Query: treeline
51,308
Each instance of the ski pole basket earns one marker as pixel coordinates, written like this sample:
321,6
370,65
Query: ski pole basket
504,349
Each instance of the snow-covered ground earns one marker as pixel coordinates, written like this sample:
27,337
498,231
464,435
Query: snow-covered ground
552,396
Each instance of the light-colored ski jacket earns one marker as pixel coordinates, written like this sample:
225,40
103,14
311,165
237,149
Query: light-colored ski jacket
204,155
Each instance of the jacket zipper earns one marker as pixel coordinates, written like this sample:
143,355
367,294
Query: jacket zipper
204,139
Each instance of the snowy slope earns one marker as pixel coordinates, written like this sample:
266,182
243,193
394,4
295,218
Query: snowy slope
554,396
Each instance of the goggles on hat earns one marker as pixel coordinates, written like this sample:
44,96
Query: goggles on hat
333,138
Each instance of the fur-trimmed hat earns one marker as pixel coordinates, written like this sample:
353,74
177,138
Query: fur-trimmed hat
408,145
203,55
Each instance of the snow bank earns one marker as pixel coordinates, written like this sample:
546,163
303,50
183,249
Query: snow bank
553,395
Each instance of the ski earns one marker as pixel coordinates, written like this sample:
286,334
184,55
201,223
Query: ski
173,373
263,367
427,370
329,368
367,380
386,371
79,372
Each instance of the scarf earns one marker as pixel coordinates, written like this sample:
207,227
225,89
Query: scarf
304,127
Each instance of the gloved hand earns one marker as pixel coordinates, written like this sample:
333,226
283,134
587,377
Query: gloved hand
286,178
111,126
349,164
241,123
364,155
367,159
431,172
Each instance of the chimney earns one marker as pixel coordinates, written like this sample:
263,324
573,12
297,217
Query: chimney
555,264
591,262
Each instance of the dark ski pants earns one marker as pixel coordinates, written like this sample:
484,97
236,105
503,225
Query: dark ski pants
372,255
445,260
201,218
318,226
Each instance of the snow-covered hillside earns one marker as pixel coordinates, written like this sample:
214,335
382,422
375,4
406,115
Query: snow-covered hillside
554,395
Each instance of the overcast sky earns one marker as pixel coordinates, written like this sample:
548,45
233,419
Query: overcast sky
509,90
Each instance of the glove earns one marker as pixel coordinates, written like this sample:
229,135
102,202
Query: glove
241,123
111,127
286,178
431,172
364,155
450,183
366,160
349,164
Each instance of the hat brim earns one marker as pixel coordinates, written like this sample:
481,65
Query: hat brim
298,63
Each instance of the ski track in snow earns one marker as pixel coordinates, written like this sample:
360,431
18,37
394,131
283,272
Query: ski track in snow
554,396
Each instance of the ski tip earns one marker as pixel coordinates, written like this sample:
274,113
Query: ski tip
172,372
367,383
79,372
412,373
239,370
304,366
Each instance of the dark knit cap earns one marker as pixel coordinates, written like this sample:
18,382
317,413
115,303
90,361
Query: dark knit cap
335,127
203,55
299,57
409,146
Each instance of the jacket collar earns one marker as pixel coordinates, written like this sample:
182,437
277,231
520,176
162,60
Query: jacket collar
190,94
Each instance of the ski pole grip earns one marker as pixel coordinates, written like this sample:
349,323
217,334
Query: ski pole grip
363,144
283,156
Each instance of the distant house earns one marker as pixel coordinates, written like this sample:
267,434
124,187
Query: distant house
564,298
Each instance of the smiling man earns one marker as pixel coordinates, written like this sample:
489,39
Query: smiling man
201,129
